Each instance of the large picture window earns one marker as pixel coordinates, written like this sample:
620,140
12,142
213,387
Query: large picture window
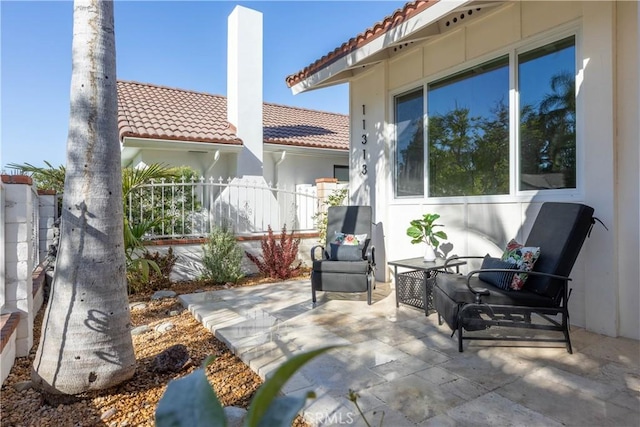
469,139
468,133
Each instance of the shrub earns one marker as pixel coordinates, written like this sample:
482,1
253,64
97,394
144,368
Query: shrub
278,256
336,198
222,258
156,278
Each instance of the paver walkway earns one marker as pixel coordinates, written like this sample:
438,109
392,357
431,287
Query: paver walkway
405,366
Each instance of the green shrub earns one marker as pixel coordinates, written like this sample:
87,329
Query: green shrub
222,257
278,256
334,199
156,278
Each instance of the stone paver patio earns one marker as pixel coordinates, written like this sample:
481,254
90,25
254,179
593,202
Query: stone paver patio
407,367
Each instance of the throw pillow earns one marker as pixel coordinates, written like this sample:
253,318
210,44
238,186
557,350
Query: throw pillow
345,252
522,256
500,279
349,239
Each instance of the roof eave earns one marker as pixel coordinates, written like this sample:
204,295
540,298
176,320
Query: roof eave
271,147
342,69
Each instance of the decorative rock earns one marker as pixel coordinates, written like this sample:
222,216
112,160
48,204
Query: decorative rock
173,359
174,312
164,327
22,386
108,414
235,416
163,294
137,306
139,330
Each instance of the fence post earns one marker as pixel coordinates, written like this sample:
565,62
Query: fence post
325,186
17,295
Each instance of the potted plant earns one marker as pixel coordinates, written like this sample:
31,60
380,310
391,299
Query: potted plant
422,230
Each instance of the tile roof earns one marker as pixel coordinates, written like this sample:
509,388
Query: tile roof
398,17
158,112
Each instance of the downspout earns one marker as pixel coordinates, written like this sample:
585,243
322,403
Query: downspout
283,155
216,157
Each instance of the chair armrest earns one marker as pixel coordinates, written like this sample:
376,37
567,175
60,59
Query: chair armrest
371,255
313,252
479,292
454,258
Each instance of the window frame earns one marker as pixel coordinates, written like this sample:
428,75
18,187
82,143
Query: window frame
515,193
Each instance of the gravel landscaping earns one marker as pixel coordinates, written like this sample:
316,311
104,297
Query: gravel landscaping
161,324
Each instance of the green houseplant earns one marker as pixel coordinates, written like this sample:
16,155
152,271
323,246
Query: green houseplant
423,230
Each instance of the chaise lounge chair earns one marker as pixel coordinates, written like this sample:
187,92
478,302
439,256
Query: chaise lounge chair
480,301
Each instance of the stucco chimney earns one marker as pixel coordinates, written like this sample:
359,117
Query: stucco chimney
244,86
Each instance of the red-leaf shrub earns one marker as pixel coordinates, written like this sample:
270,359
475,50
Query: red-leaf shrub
278,255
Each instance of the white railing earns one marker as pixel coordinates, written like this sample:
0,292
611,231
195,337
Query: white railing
182,208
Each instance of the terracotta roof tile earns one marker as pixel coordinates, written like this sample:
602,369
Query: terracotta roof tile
158,112
398,17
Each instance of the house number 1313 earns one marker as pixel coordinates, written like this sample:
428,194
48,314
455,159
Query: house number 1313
363,171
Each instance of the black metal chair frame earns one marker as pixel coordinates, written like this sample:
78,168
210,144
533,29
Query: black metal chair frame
486,306
515,316
344,219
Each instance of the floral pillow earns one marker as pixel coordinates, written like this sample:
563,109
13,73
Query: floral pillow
522,256
349,239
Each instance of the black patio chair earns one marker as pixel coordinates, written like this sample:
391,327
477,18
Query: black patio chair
342,267
467,303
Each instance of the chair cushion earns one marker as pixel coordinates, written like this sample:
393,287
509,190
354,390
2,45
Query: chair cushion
524,257
455,287
559,230
328,266
346,252
501,279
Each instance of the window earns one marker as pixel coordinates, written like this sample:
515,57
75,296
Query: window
341,173
469,132
409,167
548,116
469,137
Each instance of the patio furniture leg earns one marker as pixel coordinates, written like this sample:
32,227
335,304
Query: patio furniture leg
565,330
460,334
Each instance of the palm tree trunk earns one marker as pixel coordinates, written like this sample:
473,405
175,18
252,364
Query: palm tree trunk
85,342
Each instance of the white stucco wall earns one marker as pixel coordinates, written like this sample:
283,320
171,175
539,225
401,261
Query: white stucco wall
605,295
628,165
299,167
204,163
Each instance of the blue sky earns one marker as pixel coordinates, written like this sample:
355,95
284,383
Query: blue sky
176,44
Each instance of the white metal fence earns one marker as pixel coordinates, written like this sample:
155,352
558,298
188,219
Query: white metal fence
182,208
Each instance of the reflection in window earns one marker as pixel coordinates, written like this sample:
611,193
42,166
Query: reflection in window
409,167
548,116
469,132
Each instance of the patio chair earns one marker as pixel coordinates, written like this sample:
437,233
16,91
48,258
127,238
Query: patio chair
348,257
485,298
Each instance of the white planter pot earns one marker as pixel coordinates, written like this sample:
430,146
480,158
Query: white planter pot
429,254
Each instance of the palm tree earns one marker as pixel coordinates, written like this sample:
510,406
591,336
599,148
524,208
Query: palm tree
86,341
